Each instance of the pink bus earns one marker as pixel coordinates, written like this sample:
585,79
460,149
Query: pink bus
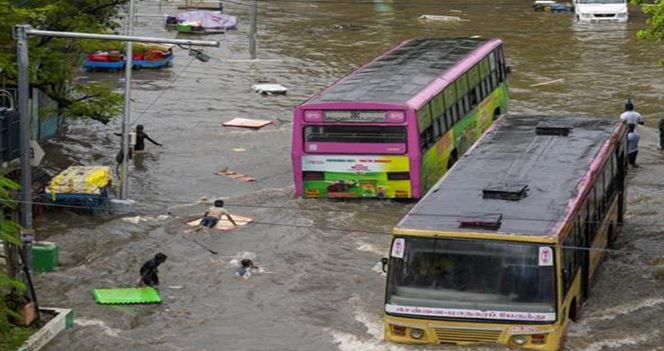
394,126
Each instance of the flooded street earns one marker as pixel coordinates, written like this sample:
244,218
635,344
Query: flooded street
322,289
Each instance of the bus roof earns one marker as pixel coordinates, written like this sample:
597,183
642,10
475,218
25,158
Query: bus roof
401,73
509,157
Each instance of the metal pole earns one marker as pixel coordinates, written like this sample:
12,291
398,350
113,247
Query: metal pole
48,33
252,31
126,117
26,171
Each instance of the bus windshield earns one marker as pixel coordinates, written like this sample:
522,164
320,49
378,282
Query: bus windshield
355,134
453,278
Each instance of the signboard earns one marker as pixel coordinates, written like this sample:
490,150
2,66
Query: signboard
467,313
398,247
545,256
354,163
354,116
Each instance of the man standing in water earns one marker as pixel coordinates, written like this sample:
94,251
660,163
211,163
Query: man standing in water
630,116
632,144
140,139
149,270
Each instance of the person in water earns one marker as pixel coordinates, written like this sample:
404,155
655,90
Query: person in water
212,216
632,145
630,116
141,136
149,270
246,266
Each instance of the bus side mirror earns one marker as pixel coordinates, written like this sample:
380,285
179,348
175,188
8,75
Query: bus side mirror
508,69
384,261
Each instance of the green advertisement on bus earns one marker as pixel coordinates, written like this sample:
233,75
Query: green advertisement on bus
356,176
437,159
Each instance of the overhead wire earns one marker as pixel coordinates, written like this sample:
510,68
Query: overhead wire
326,210
161,94
389,233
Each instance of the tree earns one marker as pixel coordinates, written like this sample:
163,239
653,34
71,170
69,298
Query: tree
655,12
8,234
54,61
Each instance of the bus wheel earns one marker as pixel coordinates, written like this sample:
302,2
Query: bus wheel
496,114
452,160
612,234
574,312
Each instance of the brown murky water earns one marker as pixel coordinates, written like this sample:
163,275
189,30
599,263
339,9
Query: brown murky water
322,290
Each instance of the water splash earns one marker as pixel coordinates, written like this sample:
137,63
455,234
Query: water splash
98,323
617,343
613,312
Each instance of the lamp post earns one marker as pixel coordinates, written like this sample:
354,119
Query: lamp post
126,116
21,33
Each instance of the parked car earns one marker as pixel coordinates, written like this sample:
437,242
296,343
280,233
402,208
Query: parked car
601,10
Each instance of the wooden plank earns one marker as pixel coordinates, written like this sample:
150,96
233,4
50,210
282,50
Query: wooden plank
247,123
224,224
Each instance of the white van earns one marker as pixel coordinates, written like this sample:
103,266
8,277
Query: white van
601,10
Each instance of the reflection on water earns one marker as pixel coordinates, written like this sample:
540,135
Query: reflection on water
587,69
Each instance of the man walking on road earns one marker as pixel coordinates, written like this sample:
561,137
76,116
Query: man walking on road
632,144
630,116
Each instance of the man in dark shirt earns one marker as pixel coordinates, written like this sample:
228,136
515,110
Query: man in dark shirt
141,136
140,139
149,270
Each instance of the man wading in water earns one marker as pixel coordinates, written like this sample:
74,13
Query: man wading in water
149,270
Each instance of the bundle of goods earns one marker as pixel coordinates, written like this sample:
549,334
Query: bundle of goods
83,187
105,60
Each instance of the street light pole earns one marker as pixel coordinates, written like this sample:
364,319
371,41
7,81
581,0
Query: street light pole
252,30
124,181
21,36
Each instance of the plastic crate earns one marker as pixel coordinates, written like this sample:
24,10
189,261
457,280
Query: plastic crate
44,256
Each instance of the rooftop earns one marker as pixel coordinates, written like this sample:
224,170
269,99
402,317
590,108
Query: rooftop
538,173
401,74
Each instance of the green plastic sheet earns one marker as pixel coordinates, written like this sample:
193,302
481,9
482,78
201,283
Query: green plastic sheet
126,296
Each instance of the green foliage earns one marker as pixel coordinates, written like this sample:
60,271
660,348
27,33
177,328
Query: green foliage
9,233
54,61
655,12
15,338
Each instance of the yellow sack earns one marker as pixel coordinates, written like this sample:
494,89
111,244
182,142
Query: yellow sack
81,180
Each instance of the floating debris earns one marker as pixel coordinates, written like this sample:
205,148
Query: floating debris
269,89
441,18
247,123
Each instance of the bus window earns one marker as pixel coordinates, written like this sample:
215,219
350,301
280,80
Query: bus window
568,262
466,105
449,121
501,64
473,97
436,129
455,113
441,124
355,134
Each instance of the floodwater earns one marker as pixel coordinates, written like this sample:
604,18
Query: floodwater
322,289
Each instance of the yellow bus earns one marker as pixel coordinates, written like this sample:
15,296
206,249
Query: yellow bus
504,248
